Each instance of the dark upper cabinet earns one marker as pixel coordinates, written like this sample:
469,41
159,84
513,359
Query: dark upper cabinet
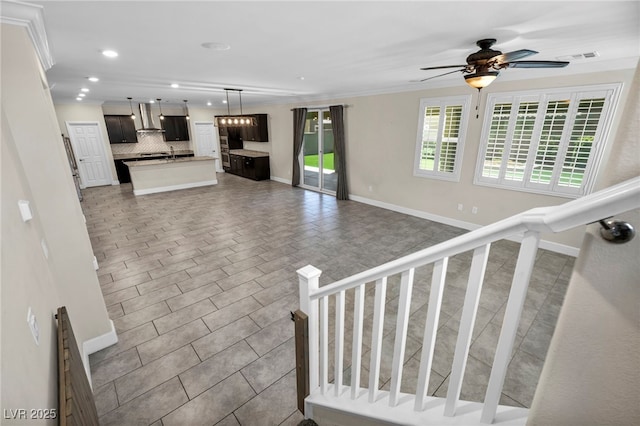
259,133
121,129
175,128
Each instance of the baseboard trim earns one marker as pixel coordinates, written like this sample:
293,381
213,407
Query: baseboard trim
544,244
174,187
281,180
97,344
115,182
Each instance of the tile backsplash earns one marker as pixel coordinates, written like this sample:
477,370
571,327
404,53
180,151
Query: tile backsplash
149,142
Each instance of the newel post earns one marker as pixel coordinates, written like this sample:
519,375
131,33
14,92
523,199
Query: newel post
309,282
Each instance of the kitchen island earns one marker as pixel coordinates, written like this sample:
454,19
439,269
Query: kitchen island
151,176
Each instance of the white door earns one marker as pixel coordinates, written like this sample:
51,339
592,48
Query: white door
207,142
88,147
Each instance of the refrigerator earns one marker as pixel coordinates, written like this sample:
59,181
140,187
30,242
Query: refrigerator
72,163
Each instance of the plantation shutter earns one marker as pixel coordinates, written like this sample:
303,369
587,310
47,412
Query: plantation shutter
441,137
544,143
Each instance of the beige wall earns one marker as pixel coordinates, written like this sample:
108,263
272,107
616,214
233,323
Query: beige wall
592,372
35,168
381,138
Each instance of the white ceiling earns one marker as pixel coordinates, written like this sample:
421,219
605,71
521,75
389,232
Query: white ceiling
340,48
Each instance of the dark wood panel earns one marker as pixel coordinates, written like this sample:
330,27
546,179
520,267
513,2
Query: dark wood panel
76,403
302,356
121,129
176,128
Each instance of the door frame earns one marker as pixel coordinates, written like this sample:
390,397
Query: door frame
216,141
320,188
103,153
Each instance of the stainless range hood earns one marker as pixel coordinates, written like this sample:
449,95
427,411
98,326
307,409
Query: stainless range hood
148,126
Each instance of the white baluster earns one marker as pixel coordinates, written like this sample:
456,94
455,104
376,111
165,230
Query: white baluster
376,337
308,280
324,343
430,330
339,342
404,307
469,310
515,303
356,355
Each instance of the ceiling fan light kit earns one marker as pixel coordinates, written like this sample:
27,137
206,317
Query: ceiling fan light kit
480,80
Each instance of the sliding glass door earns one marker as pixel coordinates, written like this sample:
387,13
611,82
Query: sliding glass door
316,158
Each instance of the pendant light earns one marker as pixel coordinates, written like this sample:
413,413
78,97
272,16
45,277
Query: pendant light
186,110
133,116
235,120
160,105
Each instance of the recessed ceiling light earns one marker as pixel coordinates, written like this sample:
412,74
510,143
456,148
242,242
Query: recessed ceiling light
84,89
110,53
78,99
301,78
82,95
151,101
216,46
175,85
208,103
224,101
93,79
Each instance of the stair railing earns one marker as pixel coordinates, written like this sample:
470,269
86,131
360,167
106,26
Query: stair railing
314,301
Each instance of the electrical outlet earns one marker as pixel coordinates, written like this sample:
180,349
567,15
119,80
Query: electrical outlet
474,210
460,207
33,326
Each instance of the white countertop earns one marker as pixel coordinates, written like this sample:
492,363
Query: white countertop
167,161
248,153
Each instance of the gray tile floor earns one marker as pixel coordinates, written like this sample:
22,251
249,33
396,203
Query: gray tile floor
200,282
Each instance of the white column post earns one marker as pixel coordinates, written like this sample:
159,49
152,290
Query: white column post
309,278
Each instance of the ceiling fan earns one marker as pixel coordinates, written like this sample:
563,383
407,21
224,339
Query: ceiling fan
484,66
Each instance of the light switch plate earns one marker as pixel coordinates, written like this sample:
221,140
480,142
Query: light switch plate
25,210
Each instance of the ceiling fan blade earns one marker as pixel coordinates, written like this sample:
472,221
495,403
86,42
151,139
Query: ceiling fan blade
442,67
440,75
537,64
512,56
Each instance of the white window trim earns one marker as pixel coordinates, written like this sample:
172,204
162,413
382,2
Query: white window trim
543,95
444,101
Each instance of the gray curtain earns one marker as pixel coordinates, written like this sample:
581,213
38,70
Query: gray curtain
299,118
340,160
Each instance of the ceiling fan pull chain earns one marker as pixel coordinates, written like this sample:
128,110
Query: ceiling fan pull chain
478,104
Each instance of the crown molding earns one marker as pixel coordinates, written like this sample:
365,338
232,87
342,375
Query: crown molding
31,17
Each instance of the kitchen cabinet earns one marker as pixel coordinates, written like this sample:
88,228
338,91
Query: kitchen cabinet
176,128
259,133
236,164
123,171
121,129
249,166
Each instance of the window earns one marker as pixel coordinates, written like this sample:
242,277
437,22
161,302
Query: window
441,127
546,142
